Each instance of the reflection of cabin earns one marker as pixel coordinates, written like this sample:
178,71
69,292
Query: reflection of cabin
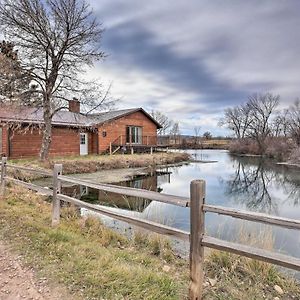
127,202
149,183
74,133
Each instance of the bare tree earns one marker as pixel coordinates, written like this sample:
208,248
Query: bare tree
163,120
175,132
254,119
14,81
207,135
56,41
237,119
197,134
281,124
293,117
261,108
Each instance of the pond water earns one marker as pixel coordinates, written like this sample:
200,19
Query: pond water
249,183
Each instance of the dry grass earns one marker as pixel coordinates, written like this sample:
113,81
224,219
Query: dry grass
295,156
238,276
94,262
94,163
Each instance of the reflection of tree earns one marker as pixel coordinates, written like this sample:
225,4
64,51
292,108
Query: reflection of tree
253,179
250,184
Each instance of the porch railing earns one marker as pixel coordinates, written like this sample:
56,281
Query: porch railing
143,140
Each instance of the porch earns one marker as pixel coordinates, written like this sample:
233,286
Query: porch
133,144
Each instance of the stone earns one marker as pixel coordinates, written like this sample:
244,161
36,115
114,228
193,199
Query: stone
278,289
166,268
212,281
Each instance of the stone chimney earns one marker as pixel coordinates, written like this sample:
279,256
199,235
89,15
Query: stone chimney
74,105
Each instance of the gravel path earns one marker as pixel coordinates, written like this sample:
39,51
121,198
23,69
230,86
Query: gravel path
19,282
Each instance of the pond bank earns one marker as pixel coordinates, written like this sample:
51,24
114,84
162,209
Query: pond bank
95,163
103,176
288,164
94,262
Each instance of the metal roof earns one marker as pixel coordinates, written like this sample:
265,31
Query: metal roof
35,116
64,117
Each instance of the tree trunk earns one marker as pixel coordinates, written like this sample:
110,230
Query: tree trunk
47,133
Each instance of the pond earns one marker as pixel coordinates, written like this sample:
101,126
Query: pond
249,183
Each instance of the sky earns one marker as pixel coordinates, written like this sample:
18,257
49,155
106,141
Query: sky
191,59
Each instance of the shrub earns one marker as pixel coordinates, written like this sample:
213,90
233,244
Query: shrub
245,146
295,156
279,148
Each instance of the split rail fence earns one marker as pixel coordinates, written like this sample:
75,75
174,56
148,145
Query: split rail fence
196,202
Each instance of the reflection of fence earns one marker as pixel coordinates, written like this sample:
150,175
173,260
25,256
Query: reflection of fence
198,239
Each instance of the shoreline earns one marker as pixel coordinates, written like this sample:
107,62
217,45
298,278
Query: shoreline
93,164
288,164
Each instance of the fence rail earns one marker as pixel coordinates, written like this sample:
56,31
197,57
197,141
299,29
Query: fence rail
197,237
253,216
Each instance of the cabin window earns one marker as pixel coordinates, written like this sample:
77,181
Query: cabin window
104,133
82,139
134,135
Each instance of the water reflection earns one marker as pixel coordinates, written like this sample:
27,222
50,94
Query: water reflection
152,182
259,184
249,183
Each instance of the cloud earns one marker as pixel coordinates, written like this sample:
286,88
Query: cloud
193,59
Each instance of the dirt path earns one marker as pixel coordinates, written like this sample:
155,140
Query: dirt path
19,282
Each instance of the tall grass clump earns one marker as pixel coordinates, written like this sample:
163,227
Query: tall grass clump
237,276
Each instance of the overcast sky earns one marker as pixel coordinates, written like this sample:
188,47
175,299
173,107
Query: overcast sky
192,59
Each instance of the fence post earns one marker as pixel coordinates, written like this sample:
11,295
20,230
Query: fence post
110,148
197,231
3,174
56,190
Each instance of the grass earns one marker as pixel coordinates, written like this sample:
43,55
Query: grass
94,262
91,260
94,163
237,276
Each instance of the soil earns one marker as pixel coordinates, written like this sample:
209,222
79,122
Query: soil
20,282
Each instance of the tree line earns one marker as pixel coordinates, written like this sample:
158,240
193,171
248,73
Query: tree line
259,120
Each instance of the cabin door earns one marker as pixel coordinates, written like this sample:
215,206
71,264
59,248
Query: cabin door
83,143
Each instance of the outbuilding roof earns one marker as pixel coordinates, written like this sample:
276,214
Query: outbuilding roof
116,114
65,117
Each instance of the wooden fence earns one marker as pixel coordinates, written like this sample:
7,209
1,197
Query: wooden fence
197,236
